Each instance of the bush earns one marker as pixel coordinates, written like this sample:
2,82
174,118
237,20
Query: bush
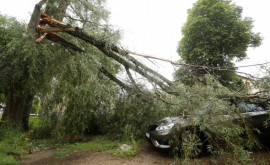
43,127
35,105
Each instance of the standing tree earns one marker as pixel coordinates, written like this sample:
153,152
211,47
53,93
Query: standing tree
214,35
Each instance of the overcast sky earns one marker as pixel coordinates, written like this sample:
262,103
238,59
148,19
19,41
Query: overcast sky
153,27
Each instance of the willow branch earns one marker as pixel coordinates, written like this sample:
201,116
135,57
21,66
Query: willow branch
114,79
194,66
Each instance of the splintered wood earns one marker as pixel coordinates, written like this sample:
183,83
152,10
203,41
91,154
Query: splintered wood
50,32
55,26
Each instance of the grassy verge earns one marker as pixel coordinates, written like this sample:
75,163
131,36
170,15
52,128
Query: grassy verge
12,145
99,144
130,153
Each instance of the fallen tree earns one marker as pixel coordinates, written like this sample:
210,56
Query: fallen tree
120,55
42,26
19,98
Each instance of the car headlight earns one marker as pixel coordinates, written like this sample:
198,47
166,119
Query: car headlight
165,126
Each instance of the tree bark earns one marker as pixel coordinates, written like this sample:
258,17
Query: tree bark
35,17
17,110
61,12
26,111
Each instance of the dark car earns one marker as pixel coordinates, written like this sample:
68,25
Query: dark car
162,133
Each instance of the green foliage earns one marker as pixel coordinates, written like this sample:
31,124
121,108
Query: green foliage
81,98
100,144
212,118
64,80
35,105
130,153
23,64
264,82
133,113
34,122
215,33
8,160
61,154
79,95
97,144
46,128
2,97
11,141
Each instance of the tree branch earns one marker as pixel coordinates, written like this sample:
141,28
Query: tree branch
114,52
56,38
113,78
62,7
54,29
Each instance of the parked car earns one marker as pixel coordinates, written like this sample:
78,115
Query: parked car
161,133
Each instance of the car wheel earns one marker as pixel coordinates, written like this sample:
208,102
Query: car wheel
192,144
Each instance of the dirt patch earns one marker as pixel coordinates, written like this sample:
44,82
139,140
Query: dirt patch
41,156
147,155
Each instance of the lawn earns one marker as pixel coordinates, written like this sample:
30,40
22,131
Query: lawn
14,143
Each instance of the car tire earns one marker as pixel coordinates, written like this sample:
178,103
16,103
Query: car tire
192,144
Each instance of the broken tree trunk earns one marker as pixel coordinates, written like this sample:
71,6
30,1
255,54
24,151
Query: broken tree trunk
120,55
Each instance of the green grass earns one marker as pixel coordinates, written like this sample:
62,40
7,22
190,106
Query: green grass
7,159
61,154
14,141
99,144
128,154
131,153
11,141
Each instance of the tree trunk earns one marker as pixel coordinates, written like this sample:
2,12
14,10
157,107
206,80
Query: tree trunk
34,20
19,104
62,7
26,111
17,109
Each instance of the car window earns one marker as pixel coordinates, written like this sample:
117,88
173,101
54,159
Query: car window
260,109
249,107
